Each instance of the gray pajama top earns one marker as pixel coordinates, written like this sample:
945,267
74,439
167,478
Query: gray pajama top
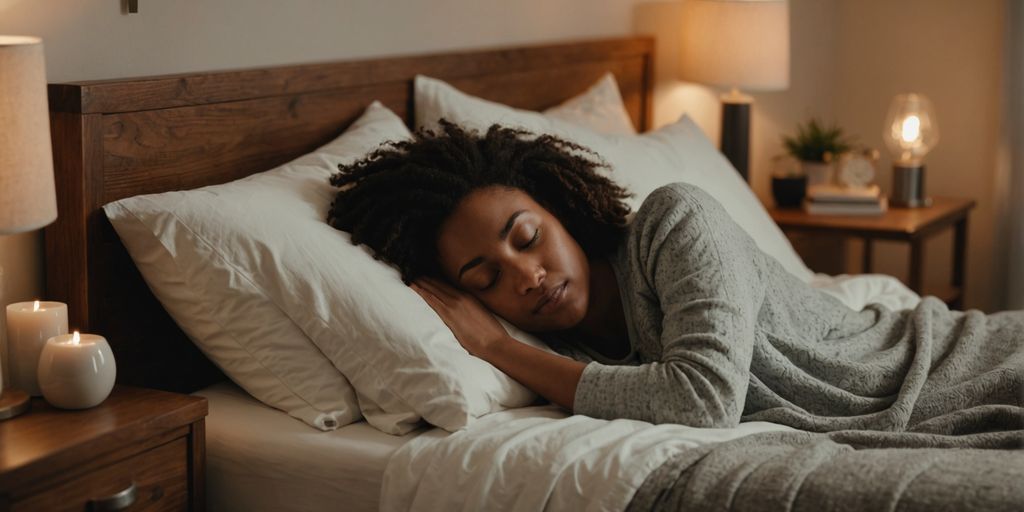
721,332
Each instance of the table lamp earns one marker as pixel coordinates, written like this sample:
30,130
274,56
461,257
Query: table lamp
27,198
736,44
910,132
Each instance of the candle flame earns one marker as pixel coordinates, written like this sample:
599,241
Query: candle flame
35,307
75,339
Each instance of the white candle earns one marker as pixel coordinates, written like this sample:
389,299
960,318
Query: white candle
76,371
29,325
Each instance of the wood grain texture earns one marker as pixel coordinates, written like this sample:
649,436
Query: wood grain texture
47,446
197,465
160,477
124,137
149,93
190,147
895,224
75,165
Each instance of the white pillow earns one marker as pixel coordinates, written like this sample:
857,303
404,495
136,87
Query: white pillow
599,108
641,163
203,253
267,241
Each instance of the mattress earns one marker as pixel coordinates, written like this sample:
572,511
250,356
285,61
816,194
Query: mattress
261,459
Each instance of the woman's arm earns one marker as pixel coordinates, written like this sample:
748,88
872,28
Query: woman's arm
703,272
550,375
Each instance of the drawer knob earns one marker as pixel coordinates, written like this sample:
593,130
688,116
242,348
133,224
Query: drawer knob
118,501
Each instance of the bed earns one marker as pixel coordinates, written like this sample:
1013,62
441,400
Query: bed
115,139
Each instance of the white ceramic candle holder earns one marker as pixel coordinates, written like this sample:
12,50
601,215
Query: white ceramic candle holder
76,371
29,325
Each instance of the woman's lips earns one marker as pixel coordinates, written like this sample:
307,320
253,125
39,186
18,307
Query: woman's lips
551,299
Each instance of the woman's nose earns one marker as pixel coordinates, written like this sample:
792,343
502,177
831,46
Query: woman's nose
531,275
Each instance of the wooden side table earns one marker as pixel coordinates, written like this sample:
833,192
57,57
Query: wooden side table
913,225
141,449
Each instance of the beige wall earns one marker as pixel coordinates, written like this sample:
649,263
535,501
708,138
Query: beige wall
950,50
849,58
93,39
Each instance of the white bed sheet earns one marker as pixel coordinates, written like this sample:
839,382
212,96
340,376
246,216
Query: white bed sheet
856,291
539,458
261,459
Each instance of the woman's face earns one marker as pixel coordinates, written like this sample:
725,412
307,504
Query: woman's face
516,258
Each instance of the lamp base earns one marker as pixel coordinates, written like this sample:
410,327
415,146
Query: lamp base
908,187
736,136
12,403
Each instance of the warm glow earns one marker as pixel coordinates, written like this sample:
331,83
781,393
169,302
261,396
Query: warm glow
35,307
75,339
911,130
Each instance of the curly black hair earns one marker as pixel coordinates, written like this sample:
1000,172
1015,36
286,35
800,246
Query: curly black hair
395,199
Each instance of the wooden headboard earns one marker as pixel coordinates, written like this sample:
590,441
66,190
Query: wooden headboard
124,137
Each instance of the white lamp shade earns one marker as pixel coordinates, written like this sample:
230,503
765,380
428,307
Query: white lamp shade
736,43
27,198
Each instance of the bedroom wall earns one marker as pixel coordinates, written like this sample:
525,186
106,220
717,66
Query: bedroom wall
848,59
952,51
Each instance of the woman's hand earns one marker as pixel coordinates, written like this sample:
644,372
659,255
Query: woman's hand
473,325
550,375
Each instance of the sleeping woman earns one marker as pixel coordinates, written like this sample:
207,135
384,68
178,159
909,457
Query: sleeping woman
673,316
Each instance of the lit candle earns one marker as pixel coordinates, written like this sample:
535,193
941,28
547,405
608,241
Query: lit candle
76,371
29,325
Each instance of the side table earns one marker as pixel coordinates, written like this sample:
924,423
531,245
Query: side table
912,225
141,449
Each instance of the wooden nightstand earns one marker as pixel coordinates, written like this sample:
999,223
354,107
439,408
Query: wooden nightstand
913,225
139,442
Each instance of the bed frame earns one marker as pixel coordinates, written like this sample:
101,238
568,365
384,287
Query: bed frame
119,138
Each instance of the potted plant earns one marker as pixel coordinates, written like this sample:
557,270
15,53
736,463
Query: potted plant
814,146
789,183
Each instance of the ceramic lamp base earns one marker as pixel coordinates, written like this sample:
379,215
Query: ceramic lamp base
12,403
736,135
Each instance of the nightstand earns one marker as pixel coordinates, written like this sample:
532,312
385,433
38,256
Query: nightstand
912,225
141,449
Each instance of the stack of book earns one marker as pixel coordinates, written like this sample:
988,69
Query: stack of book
837,200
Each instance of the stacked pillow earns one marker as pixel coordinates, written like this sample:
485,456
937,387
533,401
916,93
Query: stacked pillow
294,313
204,254
599,108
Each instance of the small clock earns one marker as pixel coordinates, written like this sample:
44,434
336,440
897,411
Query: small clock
858,168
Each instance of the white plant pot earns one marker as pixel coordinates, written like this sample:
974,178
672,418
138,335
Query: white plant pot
818,173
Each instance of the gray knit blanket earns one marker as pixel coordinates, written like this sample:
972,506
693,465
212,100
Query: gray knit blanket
844,471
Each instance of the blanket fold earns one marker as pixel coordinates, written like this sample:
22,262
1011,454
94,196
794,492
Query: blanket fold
804,471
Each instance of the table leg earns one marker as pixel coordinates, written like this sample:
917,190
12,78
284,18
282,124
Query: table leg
917,265
866,262
959,260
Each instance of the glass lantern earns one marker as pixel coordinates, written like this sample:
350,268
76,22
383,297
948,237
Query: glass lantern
910,132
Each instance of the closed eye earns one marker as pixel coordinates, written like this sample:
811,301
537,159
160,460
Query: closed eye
536,236
533,241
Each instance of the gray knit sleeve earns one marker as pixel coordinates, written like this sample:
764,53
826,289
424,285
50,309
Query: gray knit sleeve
702,269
